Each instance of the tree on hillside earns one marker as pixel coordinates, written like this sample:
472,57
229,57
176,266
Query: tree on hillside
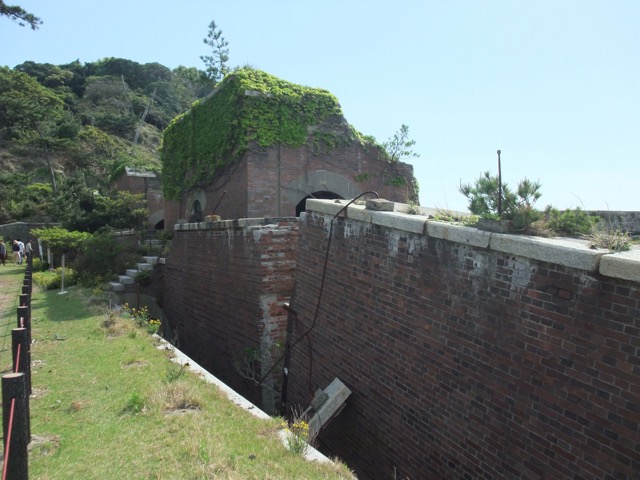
19,15
216,63
30,111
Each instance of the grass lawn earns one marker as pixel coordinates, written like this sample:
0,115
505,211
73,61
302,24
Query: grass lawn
108,403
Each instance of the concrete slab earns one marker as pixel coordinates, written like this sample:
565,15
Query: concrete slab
567,252
625,265
458,233
116,287
126,279
400,221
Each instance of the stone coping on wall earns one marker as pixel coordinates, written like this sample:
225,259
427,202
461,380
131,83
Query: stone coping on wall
238,223
569,252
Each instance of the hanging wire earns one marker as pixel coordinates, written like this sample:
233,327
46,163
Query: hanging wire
319,302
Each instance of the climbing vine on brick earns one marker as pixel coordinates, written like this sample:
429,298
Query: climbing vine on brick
249,107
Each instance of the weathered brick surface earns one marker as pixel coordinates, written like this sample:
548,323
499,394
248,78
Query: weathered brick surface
224,290
257,184
464,362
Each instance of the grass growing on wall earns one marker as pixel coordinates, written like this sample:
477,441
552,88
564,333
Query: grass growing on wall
108,403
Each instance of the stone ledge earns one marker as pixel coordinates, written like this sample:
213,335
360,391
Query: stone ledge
624,265
458,233
566,252
239,223
400,221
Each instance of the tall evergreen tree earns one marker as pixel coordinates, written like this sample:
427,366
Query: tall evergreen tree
216,63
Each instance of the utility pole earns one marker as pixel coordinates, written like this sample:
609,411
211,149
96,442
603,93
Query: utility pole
499,186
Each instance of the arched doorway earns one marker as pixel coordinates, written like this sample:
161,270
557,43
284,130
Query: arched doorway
322,195
196,212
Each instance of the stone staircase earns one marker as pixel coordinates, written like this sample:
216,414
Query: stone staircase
147,264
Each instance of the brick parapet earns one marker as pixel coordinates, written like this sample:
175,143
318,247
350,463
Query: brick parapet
468,355
226,284
567,252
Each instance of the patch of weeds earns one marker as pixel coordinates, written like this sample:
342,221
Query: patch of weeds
142,318
412,207
114,325
174,372
153,325
297,434
613,240
177,396
135,404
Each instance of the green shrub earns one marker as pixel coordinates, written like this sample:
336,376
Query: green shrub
101,258
39,265
49,280
571,222
488,199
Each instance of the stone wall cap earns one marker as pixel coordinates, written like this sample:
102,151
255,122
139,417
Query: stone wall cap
624,265
564,251
458,233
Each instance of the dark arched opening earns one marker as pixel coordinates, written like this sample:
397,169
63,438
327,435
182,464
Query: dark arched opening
322,195
196,212
159,225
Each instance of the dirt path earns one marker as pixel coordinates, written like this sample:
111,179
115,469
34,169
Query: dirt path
10,286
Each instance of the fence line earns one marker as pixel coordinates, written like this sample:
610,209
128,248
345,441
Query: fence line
16,388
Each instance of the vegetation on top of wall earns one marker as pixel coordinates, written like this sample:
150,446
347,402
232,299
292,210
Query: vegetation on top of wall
250,108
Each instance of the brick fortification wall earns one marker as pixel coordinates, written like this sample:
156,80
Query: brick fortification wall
470,355
224,286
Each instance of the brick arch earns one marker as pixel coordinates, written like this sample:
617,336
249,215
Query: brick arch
196,200
320,181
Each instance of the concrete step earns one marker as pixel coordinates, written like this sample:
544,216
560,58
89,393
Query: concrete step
144,266
153,260
126,279
116,287
132,272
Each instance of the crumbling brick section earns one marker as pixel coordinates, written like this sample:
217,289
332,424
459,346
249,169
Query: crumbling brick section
224,285
466,363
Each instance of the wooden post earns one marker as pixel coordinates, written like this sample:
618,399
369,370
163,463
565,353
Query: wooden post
22,364
19,338
24,299
14,412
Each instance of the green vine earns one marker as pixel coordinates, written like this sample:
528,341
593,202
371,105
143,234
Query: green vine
249,108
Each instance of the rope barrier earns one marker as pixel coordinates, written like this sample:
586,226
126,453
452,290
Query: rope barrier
7,448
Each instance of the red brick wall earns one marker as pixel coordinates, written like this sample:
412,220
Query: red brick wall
466,362
251,183
224,287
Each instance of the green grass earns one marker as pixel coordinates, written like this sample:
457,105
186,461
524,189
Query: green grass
10,283
107,403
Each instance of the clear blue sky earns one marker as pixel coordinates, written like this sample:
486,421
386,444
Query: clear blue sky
554,84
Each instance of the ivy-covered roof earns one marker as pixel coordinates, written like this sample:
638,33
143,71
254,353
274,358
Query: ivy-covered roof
249,107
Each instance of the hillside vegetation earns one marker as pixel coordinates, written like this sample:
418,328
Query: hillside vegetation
83,123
